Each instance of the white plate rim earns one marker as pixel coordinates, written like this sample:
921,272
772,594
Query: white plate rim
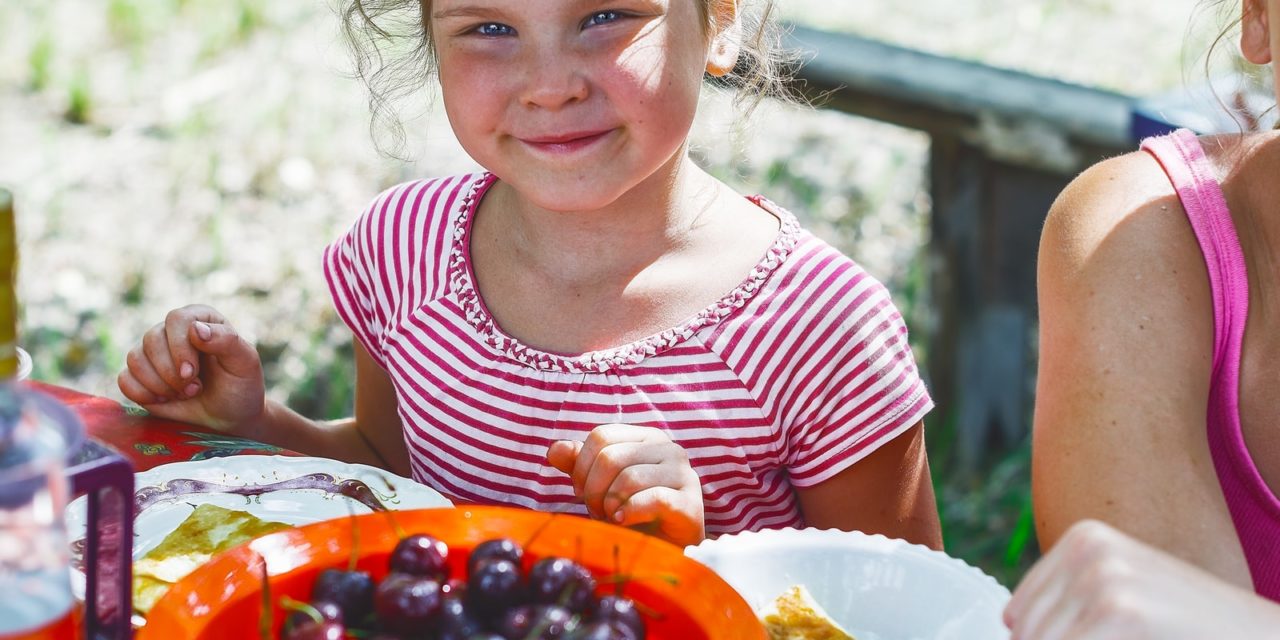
839,537
75,512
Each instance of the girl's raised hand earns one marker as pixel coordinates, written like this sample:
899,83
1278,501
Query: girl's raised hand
196,368
1100,584
635,476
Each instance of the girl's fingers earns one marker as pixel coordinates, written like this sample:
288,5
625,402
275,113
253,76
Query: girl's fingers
651,504
632,481
675,513
136,391
608,463
178,333
235,355
599,438
144,375
562,454
155,348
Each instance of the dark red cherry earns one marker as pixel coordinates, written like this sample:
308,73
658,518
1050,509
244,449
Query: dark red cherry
498,548
407,604
312,630
352,591
562,582
421,555
496,585
619,612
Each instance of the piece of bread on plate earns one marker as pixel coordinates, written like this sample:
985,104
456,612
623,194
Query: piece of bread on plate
795,615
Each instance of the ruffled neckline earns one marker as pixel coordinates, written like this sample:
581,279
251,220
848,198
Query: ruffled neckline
462,281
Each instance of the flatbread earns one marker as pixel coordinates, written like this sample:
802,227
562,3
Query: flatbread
208,531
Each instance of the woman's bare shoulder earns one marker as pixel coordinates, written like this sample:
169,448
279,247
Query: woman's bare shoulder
1106,196
1126,345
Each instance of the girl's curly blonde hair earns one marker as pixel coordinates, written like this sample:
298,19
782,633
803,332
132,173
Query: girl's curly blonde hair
390,42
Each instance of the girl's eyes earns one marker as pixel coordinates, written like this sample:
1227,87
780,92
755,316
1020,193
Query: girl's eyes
493,30
498,30
602,17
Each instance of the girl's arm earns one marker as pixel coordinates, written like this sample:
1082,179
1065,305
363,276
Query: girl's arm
888,492
194,367
1126,335
373,437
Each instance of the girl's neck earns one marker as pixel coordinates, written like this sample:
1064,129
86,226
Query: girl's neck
656,218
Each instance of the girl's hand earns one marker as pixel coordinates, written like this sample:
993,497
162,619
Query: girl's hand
1099,583
194,367
632,476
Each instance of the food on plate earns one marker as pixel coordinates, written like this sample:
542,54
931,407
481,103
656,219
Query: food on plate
497,596
795,615
209,530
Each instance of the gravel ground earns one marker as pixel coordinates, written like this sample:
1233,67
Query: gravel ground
170,151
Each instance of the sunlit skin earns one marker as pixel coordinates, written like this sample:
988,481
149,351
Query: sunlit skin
1120,455
599,231
574,108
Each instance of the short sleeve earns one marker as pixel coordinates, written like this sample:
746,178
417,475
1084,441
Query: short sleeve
346,269
859,390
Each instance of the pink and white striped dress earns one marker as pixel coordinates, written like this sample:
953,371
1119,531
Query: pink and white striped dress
796,374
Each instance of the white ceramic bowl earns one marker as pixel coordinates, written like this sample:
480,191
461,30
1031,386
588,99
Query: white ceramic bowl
876,587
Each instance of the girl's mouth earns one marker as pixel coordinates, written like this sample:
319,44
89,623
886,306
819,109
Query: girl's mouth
566,143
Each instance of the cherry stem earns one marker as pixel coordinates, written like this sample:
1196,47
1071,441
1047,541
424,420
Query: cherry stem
289,604
266,621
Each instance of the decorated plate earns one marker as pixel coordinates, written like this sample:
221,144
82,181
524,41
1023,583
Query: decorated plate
877,588
290,490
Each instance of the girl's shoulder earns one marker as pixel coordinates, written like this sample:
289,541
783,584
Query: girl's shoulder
434,198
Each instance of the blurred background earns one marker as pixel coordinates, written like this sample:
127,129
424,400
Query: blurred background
164,152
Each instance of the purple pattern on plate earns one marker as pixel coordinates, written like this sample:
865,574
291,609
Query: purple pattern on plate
355,489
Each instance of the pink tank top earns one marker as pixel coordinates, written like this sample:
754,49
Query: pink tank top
1255,510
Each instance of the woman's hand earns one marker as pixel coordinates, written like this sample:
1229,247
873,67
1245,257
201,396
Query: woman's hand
633,476
196,368
1098,583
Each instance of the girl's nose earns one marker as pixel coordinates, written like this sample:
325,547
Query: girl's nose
553,81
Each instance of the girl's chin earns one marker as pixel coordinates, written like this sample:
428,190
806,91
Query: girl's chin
568,194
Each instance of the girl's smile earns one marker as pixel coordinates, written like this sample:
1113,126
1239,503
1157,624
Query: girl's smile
568,144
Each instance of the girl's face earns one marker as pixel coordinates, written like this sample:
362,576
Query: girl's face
571,102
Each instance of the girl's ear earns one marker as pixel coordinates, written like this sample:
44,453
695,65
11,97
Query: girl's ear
727,38
1255,32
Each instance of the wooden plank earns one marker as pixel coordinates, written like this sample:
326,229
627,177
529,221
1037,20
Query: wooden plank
1016,116
1004,144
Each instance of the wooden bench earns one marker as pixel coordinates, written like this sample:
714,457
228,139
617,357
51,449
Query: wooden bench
1003,145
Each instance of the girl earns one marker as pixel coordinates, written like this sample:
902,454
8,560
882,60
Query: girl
594,324
1156,410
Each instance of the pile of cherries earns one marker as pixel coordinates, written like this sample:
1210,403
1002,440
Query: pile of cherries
418,600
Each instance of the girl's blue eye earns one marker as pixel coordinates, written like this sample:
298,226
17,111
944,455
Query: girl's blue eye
494,29
602,17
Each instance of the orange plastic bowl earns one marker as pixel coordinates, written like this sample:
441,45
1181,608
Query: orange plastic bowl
223,599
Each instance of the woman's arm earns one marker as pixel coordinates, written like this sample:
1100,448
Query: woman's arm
1126,335
888,492
1099,583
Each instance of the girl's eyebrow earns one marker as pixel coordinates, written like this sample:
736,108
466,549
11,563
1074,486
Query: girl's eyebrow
466,11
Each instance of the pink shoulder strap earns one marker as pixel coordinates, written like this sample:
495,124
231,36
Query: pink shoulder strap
1192,176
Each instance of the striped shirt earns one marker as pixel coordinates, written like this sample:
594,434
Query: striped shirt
795,375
